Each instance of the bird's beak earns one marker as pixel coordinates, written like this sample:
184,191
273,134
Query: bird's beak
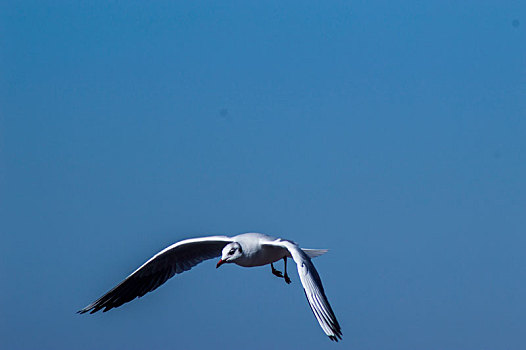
220,262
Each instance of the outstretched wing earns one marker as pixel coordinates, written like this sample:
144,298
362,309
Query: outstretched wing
177,258
313,290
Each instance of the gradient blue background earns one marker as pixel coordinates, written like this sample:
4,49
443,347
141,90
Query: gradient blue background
391,132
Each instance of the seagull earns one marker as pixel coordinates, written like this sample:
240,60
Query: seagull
246,250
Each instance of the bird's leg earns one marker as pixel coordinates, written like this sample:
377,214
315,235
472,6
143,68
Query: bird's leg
276,272
286,276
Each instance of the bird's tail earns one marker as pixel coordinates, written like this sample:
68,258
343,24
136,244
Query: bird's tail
312,253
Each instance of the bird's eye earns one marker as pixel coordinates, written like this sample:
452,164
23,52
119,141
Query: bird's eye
232,251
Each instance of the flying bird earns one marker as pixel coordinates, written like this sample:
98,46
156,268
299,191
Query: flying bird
247,250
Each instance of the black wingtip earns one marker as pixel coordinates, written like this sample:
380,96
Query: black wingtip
87,309
337,337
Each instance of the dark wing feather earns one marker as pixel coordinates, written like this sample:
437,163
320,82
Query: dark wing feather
177,258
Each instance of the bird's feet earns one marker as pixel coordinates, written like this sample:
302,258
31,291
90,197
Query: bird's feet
280,274
277,272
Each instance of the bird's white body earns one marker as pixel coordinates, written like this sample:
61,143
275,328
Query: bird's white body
256,253
247,250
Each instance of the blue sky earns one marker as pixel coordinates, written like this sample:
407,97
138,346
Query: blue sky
390,132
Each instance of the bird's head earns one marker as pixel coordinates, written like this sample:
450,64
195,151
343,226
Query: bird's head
231,252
